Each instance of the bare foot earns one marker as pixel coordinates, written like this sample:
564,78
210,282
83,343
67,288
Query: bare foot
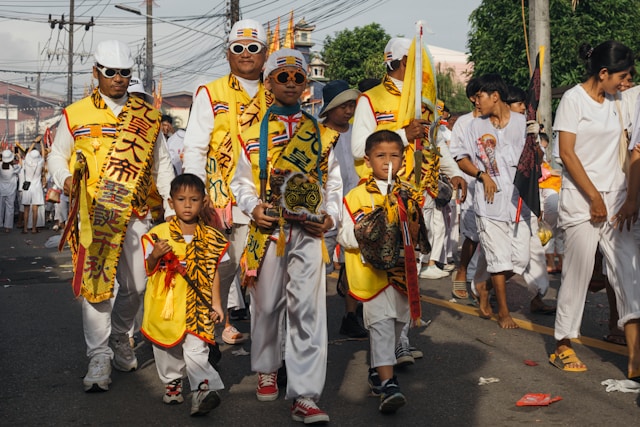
486,311
507,322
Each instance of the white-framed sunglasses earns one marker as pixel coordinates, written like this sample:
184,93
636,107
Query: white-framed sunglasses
239,48
110,73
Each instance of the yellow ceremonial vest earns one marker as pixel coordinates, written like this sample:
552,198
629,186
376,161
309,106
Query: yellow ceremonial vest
385,106
93,130
365,282
228,99
158,330
189,314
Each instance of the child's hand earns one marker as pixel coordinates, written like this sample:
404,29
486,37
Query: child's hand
217,315
160,248
318,229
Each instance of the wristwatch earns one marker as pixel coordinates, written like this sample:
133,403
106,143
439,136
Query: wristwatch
479,174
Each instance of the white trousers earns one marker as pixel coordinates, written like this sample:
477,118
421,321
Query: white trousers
622,259
191,356
536,274
434,220
384,335
117,314
549,200
230,290
289,299
7,209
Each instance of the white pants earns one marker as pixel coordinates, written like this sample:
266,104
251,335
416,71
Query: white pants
506,244
434,220
549,200
230,289
191,356
116,315
289,299
536,274
621,255
384,335
7,209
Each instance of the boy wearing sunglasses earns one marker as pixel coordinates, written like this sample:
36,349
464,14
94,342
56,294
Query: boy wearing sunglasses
112,145
289,183
221,110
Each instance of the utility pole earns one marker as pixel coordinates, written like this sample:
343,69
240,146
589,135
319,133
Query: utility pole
61,23
148,77
539,35
233,13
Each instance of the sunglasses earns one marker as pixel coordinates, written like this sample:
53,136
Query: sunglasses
111,72
285,76
239,48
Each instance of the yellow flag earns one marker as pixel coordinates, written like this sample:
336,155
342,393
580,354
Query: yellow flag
429,87
288,38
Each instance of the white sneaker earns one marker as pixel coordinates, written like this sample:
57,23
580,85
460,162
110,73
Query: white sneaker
449,267
433,272
173,392
204,400
124,358
98,375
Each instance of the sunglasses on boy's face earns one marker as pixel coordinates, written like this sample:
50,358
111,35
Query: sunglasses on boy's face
239,48
285,76
111,72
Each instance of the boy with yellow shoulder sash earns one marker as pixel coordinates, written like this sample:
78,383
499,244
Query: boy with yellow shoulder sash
390,295
289,183
116,151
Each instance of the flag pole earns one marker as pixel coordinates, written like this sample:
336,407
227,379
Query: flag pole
418,102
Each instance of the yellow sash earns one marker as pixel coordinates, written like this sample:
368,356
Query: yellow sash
234,113
302,153
124,177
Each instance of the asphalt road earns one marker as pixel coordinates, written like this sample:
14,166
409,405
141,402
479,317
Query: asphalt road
42,362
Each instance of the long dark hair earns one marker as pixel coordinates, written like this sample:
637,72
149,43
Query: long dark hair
611,55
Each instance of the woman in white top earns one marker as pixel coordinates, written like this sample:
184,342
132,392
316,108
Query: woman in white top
8,189
594,188
32,197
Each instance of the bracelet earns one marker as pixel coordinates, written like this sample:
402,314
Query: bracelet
479,174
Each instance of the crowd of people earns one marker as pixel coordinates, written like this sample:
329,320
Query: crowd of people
172,231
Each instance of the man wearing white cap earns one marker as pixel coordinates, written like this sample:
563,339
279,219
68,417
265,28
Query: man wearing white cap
289,182
108,154
378,108
221,110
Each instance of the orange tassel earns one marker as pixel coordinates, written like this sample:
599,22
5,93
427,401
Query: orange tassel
167,311
282,239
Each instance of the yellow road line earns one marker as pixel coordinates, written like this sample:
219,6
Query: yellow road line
529,326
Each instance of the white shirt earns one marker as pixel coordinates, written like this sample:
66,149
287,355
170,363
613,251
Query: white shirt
597,129
63,148
456,147
509,144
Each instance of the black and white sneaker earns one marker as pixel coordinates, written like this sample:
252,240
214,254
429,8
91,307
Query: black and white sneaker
375,385
391,398
403,356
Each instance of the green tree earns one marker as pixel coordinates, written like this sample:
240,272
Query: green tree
353,55
452,91
496,41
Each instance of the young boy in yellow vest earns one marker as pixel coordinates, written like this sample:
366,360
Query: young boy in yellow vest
179,317
289,183
388,295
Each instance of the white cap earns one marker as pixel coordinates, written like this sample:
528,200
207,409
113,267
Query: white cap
248,29
136,86
284,58
7,156
33,154
113,54
396,48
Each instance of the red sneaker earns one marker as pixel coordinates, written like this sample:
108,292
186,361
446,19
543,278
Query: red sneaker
267,387
306,410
